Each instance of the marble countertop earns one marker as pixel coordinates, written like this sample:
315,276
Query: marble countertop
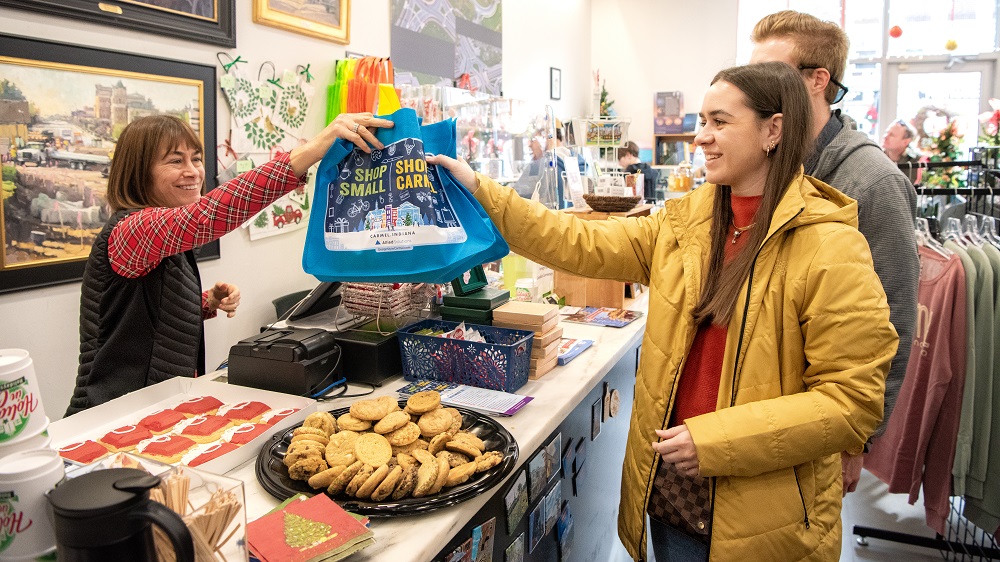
420,537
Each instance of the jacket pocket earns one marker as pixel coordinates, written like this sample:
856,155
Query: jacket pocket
740,501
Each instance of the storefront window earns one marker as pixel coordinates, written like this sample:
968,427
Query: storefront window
863,24
863,100
929,99
888,76
929,25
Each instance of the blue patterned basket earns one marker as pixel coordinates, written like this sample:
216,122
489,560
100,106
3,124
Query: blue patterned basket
500,364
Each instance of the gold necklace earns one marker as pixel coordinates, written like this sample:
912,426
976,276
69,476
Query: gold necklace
737,230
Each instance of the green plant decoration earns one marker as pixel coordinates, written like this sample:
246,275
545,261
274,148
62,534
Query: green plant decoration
606,102
945,148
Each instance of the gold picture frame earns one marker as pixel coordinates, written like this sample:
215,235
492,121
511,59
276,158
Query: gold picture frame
325,19
58,130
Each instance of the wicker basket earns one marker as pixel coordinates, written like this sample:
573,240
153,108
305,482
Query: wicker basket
611,203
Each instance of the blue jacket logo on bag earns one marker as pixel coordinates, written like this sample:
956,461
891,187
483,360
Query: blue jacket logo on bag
389,200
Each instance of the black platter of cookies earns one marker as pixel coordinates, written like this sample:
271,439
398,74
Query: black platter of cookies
384,457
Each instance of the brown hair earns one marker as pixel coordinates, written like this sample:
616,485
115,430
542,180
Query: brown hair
629,148
768,88
142,143
817,43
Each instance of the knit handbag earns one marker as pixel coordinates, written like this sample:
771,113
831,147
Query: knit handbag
683,502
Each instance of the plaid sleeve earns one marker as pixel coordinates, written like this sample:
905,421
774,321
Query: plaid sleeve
206,310
141,240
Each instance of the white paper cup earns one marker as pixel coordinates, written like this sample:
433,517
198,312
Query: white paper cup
21,411
40,440
25,476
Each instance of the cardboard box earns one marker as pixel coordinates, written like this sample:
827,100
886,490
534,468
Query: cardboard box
94,422
539,369
525,313
545,352
548,326
547,337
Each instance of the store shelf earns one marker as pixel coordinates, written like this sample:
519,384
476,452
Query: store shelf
582,291
670,149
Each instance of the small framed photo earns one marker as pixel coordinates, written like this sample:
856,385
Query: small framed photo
553,452
552,502
537,477
516,501
515,552
564,532
555,83
596,413
568,458
470,281
606,396
579,478
536,525
581,455
330,22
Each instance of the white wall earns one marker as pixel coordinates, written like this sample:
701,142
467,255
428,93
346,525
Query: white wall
539,35
647,46
46,321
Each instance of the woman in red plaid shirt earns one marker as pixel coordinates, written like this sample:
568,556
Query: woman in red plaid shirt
141,308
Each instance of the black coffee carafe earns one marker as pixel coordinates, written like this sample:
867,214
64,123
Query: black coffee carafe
105,516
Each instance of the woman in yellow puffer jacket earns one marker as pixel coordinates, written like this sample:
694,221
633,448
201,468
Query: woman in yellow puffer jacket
768,335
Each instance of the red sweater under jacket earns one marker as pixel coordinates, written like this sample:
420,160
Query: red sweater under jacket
698,389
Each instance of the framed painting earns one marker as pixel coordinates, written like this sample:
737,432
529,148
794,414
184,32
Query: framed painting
326,19
205,21
62,108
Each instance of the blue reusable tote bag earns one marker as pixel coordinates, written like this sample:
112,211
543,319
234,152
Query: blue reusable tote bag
440,138
389,217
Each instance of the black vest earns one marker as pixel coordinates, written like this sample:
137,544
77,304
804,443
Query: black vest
136,332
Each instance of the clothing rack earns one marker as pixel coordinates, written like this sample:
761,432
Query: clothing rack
964,542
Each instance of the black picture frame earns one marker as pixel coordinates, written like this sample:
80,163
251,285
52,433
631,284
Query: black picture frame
555,83
596,414
140,15
31,53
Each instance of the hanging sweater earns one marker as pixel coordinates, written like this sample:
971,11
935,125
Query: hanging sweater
963,445
918,447
984,512
983,417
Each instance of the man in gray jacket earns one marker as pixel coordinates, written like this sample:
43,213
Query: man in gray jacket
849,161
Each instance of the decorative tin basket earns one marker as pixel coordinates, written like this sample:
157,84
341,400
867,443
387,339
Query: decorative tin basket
501,363
611,203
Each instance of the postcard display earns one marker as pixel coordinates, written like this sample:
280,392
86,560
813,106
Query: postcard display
267,115
561,502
